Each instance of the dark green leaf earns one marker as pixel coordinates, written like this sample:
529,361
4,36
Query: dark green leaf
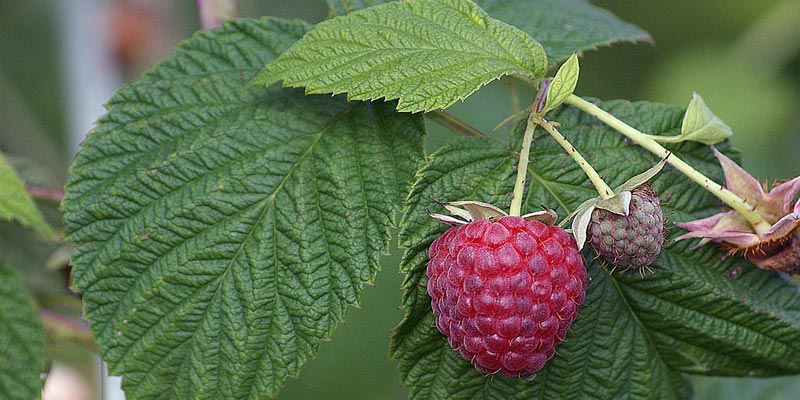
634,336
426,53
562,27
22,340
226,231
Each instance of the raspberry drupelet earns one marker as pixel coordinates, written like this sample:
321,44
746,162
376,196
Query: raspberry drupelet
505,292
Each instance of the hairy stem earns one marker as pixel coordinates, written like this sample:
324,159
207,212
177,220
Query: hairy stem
732,200
522,168
453,123
602,187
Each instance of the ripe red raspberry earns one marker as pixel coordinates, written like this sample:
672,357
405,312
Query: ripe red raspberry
633,240
504,293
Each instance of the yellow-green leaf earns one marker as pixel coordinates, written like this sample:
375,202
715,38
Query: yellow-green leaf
426,53
16,204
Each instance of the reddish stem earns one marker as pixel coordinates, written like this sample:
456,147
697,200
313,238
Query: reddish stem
43,193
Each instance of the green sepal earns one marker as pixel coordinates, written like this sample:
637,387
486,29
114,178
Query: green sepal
701,125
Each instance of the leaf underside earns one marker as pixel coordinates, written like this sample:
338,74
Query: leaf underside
426,53
633,337
22,340
226,231
561,26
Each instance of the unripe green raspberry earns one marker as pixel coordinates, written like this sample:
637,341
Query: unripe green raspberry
633,240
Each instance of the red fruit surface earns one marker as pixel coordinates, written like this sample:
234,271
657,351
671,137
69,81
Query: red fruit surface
504,293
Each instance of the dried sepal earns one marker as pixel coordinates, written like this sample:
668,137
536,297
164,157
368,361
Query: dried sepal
547,217
770,249
464,212
639,180
580,222
475,210
618,204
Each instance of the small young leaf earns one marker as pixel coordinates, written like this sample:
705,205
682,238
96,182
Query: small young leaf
225,232
701,125
562,27
634,336
16,204
563,84
426,53
22,340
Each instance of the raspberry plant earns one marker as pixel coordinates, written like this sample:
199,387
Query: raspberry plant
225,224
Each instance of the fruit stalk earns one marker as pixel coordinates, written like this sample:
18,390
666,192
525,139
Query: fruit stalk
602,187
732,200
522,167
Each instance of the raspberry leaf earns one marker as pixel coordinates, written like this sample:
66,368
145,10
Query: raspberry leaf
562,27
426,53
226,231
633,336
16,204
562,85
22,340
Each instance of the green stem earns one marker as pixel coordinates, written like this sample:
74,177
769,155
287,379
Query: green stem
522,168
602,187
453,123
44,193
732,200
64,327
666,139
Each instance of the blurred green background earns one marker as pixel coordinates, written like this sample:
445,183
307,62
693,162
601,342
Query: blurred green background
742,56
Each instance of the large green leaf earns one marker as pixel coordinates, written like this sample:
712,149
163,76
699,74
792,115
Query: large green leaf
22,340
634,336
426,53
16,204
226,231
562,27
